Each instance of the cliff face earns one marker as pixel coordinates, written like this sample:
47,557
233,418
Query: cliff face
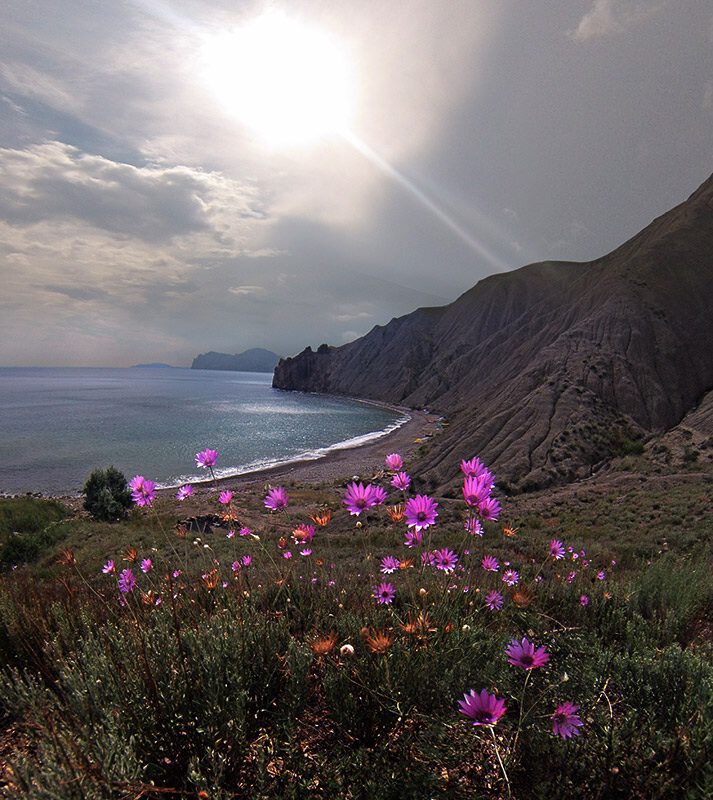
255,360
545,371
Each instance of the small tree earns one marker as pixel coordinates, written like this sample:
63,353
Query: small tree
106,494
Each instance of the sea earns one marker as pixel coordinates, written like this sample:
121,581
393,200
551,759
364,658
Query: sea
58,424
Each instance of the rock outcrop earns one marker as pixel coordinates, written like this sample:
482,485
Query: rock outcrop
547,371
254,360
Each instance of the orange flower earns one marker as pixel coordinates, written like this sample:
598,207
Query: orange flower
378,641
66,558
522,596
148,598
324,645
282,543
181,530
319,562
396,513
418,625
407,563
211,579
130,554
322,517
510,532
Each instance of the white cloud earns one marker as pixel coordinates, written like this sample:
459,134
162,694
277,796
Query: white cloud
611,17
246,290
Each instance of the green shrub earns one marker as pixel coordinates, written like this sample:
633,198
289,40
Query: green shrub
106,494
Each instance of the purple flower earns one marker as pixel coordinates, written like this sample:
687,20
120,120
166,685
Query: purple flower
556,549
474,469
571,576
176,573
384,593
489,509
413,539
230,534
483,708
445,559
428,559
287,554
127,581
420,512
566,721
358,497
146,565
473,526
601,575
143,492
394,462
225,498
475,490
490,564
245,531
184,492
246,561
511,577
583,600
401,481
307,551
235,566
276,499
389,564
207,458
523,654
108,568
494,600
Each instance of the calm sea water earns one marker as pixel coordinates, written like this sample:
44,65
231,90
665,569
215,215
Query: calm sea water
56,425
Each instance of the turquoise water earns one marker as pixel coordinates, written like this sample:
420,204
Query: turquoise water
56,425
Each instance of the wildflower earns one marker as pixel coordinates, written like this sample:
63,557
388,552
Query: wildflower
483,708
322,517
276,499
490,564
143,492
401,481
127,581
384,593
235,566
206,458
556,549
413,539
230,534
108,568
210,579
148,598
146,565
184,492
181,530
511,577
509,532
571,576
445,559
583,600
396,513
346,650
287,554
494,600
225,498
406,563
601,575
420,512
176,573
473,526
378,641
566,721
475,490
427,559
282,543
389,564
306,552
303,533
246,561
418,626
324,645
474,468
394,462
131,554
489,508
523,654
245,531
358,497
522,596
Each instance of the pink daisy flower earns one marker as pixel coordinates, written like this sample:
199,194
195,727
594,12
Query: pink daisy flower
483,708
445,559
524,654
475,490
358,497
389,564
143,492
473,526
420,512
276,499
489,509
413,539
566,721
584,600
146,565
556,549
490,564
108,568
184,492
225,498
511,577
206,458
127,581
494,600
394,462
401,481
474,469
384,593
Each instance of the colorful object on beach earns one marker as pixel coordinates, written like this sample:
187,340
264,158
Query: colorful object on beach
420,512
566,721
482,709
206,458
277,499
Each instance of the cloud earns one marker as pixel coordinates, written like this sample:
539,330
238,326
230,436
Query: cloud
246,290
611,17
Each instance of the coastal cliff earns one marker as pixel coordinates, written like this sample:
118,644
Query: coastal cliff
547,371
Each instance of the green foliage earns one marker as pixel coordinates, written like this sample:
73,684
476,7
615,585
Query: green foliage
106,494
29,514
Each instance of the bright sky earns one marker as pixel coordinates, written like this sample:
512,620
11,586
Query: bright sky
185,176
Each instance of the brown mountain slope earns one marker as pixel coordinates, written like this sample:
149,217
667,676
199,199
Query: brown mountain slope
546,371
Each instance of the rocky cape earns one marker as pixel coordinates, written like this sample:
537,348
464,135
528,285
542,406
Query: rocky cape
255,360
548,371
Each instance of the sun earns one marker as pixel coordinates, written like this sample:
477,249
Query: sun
290,83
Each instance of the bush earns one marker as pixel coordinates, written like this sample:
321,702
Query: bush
106,494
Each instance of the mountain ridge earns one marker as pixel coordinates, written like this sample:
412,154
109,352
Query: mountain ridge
546,371
256,359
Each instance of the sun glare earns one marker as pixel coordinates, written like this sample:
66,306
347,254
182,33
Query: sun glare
288,82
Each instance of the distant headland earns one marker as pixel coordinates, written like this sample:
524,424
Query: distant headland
256,359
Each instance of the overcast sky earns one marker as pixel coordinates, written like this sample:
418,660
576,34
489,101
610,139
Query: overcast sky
143,217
